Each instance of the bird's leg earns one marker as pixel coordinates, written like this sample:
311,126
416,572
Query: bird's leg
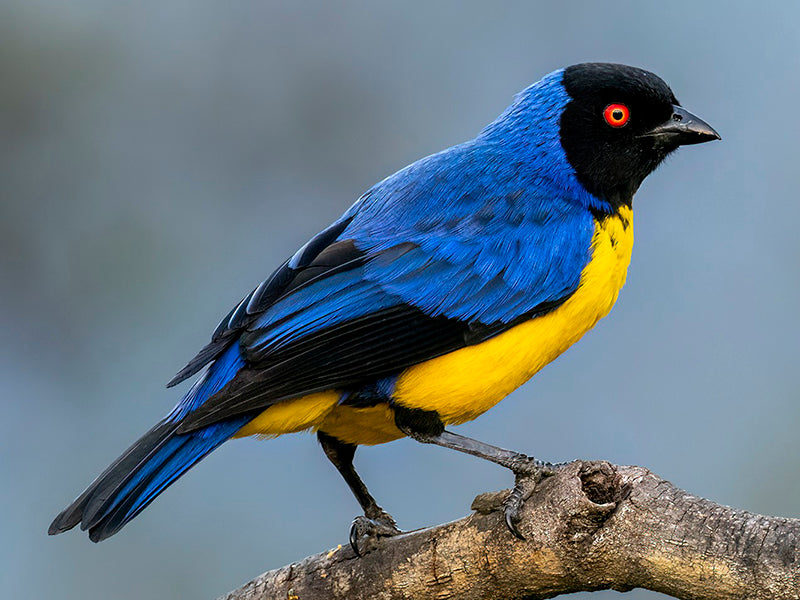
527,470
426,427
376,522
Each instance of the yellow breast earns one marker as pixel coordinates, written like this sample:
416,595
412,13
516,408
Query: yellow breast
466,383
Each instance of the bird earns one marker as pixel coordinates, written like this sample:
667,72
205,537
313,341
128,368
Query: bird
442,289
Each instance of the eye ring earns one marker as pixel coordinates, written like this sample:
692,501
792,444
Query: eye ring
617,115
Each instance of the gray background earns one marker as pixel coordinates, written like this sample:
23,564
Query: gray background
157,159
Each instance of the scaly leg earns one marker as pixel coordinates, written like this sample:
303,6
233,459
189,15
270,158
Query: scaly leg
426,427
375,522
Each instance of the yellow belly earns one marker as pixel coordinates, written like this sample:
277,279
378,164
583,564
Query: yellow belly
464,384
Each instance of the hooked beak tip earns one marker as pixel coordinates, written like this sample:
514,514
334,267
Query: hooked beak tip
683,128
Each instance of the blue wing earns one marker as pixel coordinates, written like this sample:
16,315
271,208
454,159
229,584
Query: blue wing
448,252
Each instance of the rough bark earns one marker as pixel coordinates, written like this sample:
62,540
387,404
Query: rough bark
593,526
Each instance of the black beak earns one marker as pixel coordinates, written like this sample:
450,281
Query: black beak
682,129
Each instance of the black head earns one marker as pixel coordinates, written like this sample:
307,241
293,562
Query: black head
620,123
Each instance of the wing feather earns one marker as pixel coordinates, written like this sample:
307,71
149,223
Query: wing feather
424,264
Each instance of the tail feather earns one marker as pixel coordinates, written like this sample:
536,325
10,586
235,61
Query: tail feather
175,457
153,462
138,476
110,479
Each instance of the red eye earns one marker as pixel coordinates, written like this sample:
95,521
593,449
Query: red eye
616,115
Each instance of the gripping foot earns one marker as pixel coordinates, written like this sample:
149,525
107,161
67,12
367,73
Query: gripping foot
382,525
528,473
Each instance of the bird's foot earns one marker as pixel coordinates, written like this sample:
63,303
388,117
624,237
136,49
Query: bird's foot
378,526
528,473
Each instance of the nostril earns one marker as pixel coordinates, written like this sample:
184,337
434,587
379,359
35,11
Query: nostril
677,117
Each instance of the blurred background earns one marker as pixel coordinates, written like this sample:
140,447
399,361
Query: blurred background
158,159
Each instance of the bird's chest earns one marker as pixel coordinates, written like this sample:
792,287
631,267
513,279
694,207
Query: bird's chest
465,383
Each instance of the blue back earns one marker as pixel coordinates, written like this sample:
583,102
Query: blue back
484,231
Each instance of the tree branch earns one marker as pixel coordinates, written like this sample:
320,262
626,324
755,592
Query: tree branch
593,526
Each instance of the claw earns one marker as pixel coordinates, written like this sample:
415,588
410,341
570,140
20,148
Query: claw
513,504
354,538
511,519
381,526
528,477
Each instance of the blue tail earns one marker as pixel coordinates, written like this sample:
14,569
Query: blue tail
156,460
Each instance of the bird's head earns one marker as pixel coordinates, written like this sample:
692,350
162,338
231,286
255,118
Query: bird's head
605,125
619,124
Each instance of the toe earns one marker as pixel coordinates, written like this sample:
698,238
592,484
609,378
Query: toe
354,536
381,526
535,468
512,509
